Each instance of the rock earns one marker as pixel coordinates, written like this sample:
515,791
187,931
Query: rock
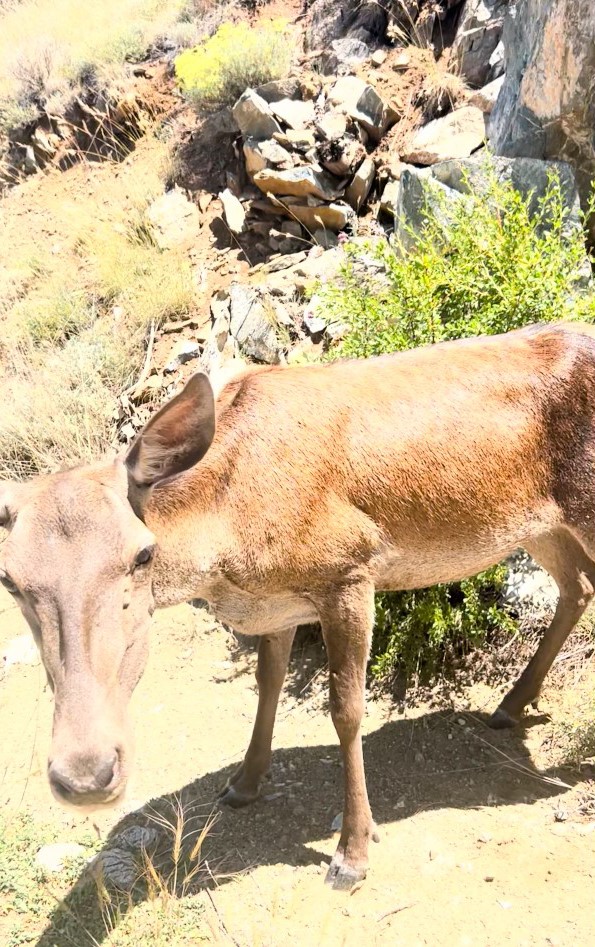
296,114
184,352
253,116
285,243
292,228
174,220
389,198
485,98
325,238
149,390
333,216
401,61
283,263
29,161
528,176
456,135
299,139
498,61
337,823
280,89
299,182
365,20
54,858
455,180
528,589
361,184
259,155
254,159
251,325
234,213
122,864
332,125
44,142
546,108
306,352
318,266
478,34
204,200
341,156
378,57
314,323
361,102
21,650
343,56
220,307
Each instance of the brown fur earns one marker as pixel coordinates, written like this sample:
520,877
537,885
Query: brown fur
320,485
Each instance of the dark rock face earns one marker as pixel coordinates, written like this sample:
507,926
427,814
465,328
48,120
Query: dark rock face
358,19
546,107
454,180
478,34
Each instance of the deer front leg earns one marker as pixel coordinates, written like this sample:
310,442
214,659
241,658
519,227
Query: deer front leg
347,619
273,658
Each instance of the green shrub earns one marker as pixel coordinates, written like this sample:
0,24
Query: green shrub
489,264
236,57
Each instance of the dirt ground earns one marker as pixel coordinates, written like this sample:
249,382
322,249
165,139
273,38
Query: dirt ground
472,849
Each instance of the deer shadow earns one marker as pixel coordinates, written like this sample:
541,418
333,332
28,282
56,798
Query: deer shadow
438,760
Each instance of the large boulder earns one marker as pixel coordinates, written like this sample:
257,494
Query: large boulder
253,116
174,221
478,34
361,101
456,135
453,181
298,182
546,108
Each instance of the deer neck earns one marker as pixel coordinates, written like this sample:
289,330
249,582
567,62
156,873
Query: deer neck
189,517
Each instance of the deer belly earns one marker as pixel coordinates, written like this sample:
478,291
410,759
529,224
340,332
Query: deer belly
258,614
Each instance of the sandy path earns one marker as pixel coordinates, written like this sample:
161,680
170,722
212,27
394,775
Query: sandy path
470,852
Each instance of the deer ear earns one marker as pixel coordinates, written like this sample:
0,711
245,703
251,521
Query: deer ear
9,493
175,438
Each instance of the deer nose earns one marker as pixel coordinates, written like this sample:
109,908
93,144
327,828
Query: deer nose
77,779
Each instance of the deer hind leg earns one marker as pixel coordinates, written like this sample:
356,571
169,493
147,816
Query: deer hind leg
573,570
347,618
273,658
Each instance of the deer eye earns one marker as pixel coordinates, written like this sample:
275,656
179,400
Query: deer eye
8,584
144,556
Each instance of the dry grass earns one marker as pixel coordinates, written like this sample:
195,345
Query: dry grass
48,47
83,908
76,321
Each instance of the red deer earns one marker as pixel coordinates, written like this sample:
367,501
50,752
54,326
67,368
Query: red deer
289,500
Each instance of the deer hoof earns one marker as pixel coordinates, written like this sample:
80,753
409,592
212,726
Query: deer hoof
233,797
501,720
342,877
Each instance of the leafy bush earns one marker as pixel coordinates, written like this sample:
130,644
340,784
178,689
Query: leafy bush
489,264
237,56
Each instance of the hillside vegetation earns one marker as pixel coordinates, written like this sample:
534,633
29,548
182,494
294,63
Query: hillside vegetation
49,48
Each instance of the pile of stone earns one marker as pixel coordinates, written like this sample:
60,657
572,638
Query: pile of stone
306,149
